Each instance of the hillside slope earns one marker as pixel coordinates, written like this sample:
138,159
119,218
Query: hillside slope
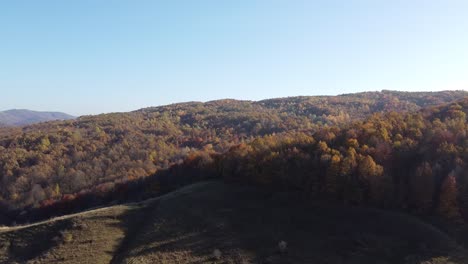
41,162
245,224
20,117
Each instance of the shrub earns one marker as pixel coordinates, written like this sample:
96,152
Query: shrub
67,237
282,246
217,254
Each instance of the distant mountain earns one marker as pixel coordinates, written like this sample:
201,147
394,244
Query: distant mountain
20,117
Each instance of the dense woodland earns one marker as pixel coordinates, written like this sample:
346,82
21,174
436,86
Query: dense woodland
386,149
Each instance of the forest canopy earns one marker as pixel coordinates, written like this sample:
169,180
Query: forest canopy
386,149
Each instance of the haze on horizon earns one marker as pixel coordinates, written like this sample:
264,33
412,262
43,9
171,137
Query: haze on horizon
89,57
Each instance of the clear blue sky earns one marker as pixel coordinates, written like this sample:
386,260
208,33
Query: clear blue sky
94,56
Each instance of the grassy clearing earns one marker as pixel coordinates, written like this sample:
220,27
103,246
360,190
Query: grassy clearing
218,223
246,227
91,237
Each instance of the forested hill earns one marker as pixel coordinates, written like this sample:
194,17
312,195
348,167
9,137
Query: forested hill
361,105
323,109
46,163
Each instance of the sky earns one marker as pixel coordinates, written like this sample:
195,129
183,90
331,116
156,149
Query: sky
97,56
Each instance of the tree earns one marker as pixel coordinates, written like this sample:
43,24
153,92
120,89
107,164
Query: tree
447,205
352,143
367,168
37,194
57,192
349,163
332,178
371,173
421,188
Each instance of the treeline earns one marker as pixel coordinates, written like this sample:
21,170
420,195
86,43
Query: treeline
327,146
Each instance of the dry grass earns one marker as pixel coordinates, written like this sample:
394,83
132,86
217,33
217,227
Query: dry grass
218,223
247,227
87,238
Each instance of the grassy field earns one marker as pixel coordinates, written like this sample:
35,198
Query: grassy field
241,224
90,237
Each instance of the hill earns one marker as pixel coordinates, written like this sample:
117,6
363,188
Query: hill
44,162
21,117
244,223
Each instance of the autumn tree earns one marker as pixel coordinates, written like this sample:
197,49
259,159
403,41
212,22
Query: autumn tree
372,174
421,188
447,204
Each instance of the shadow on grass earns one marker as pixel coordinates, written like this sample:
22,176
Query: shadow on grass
246,225
26,244
132,223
